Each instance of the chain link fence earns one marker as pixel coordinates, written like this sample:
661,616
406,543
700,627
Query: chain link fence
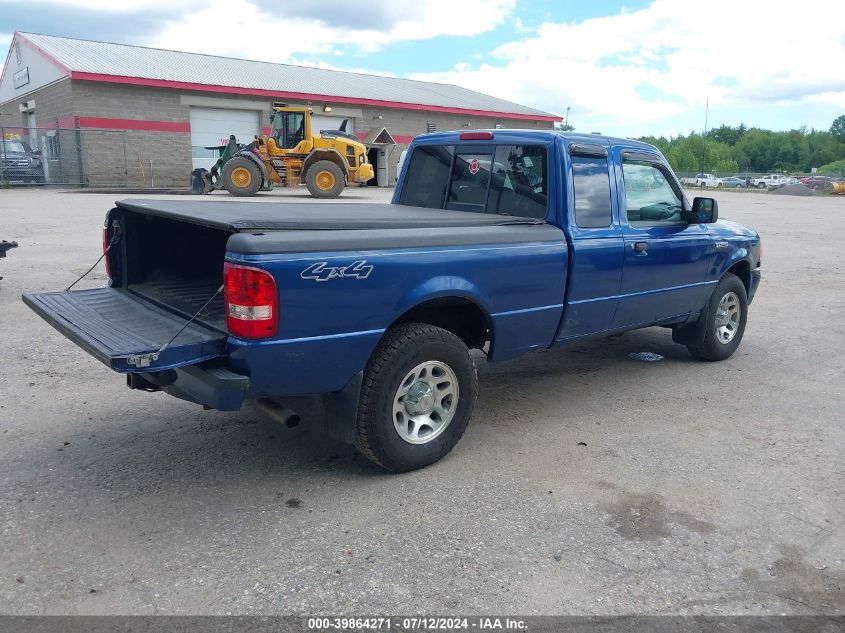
749,179
92,157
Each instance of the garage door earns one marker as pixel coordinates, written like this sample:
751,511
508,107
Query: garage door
212,127
330,123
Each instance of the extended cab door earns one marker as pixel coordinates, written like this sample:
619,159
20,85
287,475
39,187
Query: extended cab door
597,244
666,258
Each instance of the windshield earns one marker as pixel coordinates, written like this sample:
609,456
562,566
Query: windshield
288,128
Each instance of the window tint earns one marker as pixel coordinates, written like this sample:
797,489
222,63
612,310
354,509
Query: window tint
427,176
469,182
501,179
592,191
520,182
649,196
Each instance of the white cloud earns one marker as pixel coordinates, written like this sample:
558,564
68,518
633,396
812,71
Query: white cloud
243,28
620,71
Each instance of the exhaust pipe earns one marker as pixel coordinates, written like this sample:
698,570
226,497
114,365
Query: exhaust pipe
278,412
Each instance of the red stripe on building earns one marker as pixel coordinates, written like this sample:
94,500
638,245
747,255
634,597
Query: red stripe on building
102,123
256,92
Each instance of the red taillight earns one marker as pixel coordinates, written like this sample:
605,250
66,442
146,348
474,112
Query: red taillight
252,303
107,258
476,136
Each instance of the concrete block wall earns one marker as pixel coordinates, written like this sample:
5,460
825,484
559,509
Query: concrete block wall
52,103
122,157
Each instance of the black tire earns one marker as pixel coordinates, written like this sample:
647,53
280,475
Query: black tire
761,185
235,179
325,179
712,348
403,349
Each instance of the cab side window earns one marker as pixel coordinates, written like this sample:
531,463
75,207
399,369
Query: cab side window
427,176
591,184
649,195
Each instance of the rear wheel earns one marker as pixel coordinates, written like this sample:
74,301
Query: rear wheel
241,177
325,179
762,185
417,397
725,318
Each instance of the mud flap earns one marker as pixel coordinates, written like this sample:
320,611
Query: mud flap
341,410
693,333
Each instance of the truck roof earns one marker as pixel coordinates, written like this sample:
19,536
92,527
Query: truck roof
540,136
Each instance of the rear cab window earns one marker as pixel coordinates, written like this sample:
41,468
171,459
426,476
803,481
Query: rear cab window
499,179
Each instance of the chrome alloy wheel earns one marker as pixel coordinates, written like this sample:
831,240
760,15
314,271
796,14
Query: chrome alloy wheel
728,315
425,402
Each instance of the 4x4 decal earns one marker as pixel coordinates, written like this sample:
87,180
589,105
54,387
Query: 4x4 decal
321,271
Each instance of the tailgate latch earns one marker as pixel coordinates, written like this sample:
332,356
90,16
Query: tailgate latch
143,360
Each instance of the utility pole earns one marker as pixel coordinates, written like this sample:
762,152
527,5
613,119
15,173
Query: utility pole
704,136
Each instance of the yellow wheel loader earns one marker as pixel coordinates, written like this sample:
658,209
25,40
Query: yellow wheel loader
293,154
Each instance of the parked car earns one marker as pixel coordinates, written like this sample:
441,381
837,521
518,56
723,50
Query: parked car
772,181
702,180
816,182
732,182
377,306
18,161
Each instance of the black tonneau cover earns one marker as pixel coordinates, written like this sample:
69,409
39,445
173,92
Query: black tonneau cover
237,217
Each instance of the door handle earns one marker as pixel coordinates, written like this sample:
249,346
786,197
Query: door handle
640,248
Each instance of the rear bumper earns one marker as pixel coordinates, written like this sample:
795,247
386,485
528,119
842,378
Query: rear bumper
210,385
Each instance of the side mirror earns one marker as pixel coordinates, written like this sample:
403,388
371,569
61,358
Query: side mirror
705,210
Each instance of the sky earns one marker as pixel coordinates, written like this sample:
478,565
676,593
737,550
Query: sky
632,68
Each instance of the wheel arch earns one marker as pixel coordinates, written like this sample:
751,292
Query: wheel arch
459,313
742,269
252,157
324,154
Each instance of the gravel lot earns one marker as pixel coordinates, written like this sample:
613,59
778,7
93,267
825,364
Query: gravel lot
587,482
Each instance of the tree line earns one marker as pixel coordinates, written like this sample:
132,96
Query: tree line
740,149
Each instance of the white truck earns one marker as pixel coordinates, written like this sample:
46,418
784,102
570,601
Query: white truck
702,180
772,181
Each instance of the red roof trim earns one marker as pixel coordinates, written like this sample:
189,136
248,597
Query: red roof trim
21,37
102,123
44,53
183,85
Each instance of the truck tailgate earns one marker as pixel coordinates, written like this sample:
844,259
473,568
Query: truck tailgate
117,327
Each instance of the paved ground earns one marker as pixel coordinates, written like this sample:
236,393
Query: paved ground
666,487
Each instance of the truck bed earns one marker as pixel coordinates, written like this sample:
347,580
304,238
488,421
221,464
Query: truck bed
236,217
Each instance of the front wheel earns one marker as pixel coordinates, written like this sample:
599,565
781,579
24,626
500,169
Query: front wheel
325,179
762,185
417,397
241,176
725,316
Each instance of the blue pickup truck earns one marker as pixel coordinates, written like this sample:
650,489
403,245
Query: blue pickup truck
501,241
